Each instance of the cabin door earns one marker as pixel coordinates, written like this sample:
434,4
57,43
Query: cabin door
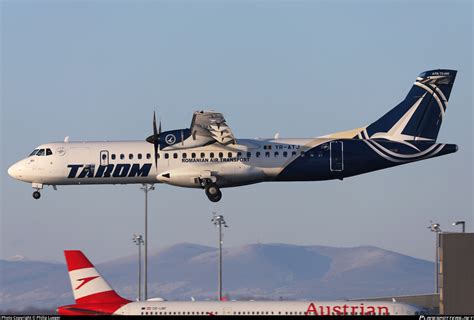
337,156
104,158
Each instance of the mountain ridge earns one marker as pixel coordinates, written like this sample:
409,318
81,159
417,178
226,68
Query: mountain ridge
259,271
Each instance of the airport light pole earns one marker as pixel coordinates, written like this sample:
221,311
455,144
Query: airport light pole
138,239
219,221
463,223
146,188
435,227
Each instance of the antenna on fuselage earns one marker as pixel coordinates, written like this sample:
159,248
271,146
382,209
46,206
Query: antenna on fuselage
66,139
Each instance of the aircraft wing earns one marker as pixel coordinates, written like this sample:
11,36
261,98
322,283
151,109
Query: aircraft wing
211,125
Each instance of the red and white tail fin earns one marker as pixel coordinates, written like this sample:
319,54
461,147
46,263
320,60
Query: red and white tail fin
88,286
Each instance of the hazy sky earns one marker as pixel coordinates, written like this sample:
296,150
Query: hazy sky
97,70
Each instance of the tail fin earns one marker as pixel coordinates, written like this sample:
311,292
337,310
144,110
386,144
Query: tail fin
88,286
420,115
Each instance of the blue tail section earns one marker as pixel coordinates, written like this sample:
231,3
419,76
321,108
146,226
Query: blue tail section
420,115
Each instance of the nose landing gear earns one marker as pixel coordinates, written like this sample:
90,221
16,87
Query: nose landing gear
38,187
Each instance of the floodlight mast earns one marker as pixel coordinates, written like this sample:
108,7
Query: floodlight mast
219,221
138,240
146,188
463,223
435,227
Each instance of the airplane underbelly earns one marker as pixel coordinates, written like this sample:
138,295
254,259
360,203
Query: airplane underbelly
239,176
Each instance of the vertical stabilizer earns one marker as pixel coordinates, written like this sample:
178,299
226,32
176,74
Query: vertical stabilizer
88,286
420,115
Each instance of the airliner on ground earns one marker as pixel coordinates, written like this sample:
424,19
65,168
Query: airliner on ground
94,296
208,156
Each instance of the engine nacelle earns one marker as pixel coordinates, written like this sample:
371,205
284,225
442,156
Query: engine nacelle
185,178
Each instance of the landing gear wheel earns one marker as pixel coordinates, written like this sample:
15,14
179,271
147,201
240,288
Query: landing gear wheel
36,195
213,192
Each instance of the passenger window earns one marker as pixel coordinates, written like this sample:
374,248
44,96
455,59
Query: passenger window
276,153
184,155
140,156
221,155
293,153
302,153
211,155
130,156
122,156
311,154
167,156
239,154
40,153
193,155
113,156
285,154
257,154
148,156
249,154
175,155
158,155
267,154
229,155
203,155
104,156
49,152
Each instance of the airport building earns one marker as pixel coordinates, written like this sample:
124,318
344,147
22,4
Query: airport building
455,278
456,273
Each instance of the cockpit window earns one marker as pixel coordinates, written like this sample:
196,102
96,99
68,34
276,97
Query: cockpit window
40,153
33,153
49,152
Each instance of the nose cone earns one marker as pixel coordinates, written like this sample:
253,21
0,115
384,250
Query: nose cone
13,171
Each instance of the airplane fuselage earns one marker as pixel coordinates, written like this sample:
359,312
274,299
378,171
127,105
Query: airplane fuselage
244,308
246,162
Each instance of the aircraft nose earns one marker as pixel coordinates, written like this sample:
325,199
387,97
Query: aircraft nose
13,171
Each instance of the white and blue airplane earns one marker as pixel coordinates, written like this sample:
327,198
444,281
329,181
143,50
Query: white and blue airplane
208,156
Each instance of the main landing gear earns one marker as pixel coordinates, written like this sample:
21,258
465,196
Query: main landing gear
212,191
36,195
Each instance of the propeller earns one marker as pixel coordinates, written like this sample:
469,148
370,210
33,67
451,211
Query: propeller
155,138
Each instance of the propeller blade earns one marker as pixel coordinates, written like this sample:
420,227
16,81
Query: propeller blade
156,142
159,128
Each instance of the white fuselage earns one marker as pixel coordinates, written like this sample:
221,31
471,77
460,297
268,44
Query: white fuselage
125,162
267,308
